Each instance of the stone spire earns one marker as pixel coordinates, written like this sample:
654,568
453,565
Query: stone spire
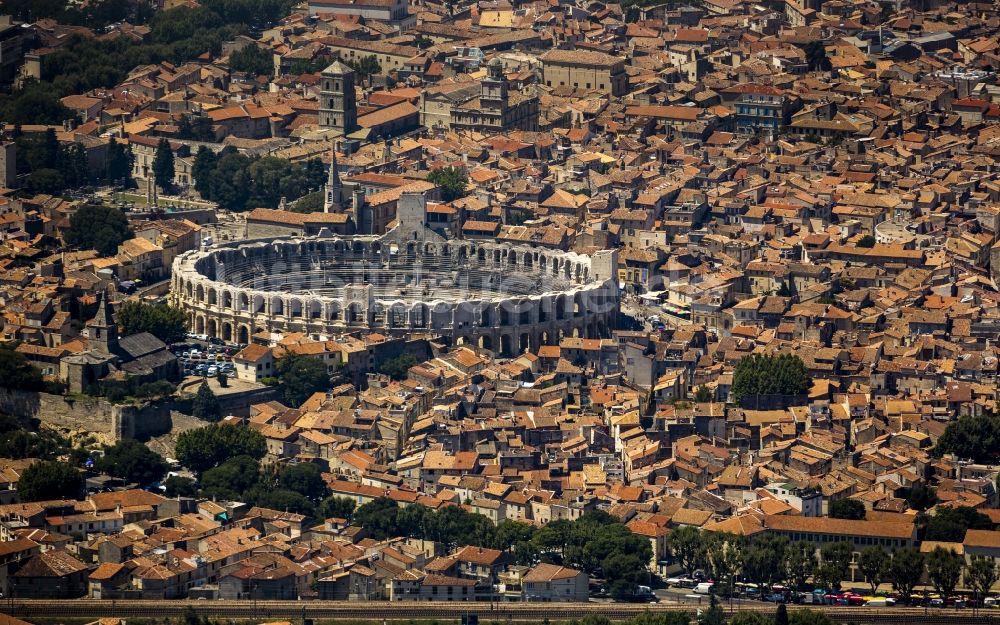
332,189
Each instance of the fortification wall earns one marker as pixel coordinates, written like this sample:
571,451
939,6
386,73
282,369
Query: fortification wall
109,421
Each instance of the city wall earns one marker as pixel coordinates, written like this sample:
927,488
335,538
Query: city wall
110,421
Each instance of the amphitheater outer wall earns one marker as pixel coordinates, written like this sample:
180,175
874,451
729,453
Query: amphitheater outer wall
585,305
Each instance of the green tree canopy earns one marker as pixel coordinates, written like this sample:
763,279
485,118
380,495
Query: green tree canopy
980,576
873,564
204,448
205,404
336,507
398,367
162,321
757,374
180,486
920,497
132,461
847,509
252,60
452,181
867,241
17,442
308,203
304,478
17,373
99,228
301,376
905,570
163,165
232,479
944,569
800,563
366,66
50,480
975,438
949,524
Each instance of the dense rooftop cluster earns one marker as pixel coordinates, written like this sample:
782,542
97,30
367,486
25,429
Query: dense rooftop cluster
797,201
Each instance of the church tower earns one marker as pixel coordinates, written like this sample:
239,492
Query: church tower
338,109
102,329
493,91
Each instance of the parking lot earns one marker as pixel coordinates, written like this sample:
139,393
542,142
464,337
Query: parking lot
200,357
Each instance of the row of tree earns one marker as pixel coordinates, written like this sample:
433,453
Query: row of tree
767,559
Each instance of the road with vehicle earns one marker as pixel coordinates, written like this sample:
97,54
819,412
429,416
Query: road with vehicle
55,609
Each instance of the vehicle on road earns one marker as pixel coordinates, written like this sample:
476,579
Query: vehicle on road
704,588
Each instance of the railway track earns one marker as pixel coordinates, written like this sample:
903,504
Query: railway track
44,609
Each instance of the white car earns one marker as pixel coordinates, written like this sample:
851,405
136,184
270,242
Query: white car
703,588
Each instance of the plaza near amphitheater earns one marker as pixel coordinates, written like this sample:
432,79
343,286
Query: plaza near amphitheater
503,298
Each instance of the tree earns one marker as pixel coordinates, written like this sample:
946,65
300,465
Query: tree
686,547
873,564
750,618
99,228
180,486
703,394
808,617
304,478
118,168
378,516
50,181
301,376
816,57
49,480
17,373
713,615
366,66
980,576
252,60
724,558
398,367
950,524
336,507
781,615
757,375
784,290
18,443
163,165
132,461
921,497
205,405
232,479
800,562
944,569
867,241
905,570
847,509
162,321
203,448
452,182
202,171
308,203
975,438
837,562
222,379
764,559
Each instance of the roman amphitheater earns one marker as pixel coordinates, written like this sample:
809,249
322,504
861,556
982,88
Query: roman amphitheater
503,298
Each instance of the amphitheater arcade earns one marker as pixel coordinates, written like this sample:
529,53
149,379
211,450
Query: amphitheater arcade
504,298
